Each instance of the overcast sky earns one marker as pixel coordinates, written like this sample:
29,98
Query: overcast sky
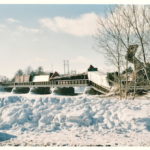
45,35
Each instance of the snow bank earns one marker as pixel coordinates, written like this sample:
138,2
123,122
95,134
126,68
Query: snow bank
57,113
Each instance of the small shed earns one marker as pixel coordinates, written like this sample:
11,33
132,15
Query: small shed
92,68
55,74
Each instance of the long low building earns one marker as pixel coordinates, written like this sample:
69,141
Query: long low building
41,78
22,78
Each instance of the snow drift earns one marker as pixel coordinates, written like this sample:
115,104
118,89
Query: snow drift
57,113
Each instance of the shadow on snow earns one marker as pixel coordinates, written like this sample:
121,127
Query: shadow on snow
5,136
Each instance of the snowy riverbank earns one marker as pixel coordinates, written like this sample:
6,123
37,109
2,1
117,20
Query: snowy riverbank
79,120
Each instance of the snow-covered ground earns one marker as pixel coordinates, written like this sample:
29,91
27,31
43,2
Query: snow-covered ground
28,119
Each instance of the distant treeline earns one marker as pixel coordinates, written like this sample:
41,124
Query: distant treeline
30,71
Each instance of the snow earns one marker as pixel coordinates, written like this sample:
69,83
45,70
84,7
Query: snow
78,120
53,91
5,136
79,90
98,78
41,78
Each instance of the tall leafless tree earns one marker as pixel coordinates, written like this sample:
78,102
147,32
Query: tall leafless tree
122,27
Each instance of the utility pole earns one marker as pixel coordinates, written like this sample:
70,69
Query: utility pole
66,67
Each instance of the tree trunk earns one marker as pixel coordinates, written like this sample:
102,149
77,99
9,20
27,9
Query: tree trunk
126,87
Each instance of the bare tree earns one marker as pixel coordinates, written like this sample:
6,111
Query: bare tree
28,70
40,70
3,79
122,27
113,40
139,19
19,73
